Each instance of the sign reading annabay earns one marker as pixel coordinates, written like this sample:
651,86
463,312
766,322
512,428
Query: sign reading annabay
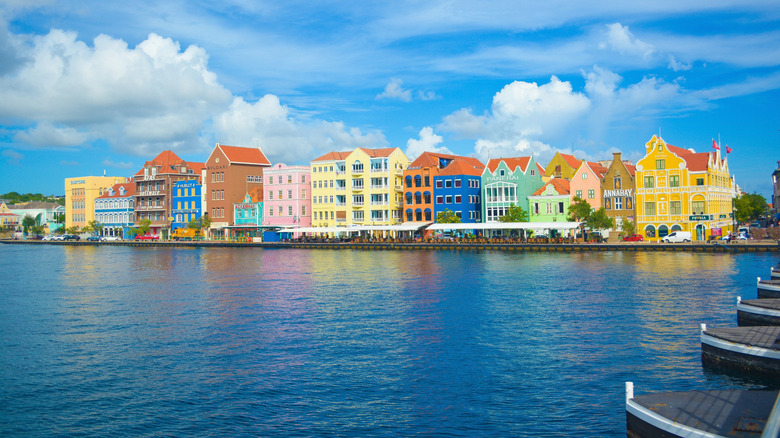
618,193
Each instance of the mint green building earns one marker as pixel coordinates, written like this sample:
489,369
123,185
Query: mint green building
507,182
551,202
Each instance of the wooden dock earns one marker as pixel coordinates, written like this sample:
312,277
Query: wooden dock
758,312
729,413
750,350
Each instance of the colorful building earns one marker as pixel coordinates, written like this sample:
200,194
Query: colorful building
418,179
154,189
585,183
248,216
551,202
457,187
287,201
115,209
231,172
562,166
80,195
619,190
186,197
363,187
44,213
8,220
681,190
507,182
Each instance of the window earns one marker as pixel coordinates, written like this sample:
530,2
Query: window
427,181
303,210
698,207
591,193
279,179
357,215
674,181
649,182
650,208
270,211
280,194
448,199
289,210
549,208
303,193
560,208
439,199
501,173
660,164
584,175
289,194
618,183
270,194
438,184
417,181
457,199
448,184
270,180
457,183
675,208
699,181
289,179
629,203
280,210
618,203
578,194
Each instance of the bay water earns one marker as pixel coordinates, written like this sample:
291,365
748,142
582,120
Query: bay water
124,341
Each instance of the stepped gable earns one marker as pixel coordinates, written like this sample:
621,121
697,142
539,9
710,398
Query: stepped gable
237,154
333,156
511,163
461,166
561,186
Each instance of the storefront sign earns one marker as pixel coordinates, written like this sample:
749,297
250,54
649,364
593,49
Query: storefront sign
701,217
618,193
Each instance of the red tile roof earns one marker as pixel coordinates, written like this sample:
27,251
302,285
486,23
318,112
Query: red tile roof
511,163
166,160
129,191
540,168
333,156
695,161
631,169
373,153
430,159
463,166
237,154
598,169
561,186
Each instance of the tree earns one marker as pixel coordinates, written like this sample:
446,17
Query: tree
579,210
27,222
143,227
447,217
94,226
73,230
514,213
598,220
628,227
749,207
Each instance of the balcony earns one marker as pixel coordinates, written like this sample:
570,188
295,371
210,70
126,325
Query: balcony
341,204
358,204
357,170
383,187
341,189
160,192
378,170
399,188
149,207
378,219
341,219
357,188
380,203
341,172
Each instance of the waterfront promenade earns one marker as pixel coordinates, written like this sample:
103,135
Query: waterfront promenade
482,244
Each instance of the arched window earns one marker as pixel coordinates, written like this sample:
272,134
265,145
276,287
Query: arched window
650,231
663,230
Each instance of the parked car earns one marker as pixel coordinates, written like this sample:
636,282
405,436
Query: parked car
49,237
677,236
93,239
109,238
147,237
634,238
58,237
70,237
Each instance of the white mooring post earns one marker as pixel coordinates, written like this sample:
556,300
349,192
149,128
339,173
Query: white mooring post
704,328
739,301
629,391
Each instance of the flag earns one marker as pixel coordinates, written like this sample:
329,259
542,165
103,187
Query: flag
728,149
715,145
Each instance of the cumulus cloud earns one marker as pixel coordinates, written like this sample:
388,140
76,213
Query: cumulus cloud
427,142
268,124
621,40
142,100
395,90
524,118
678,66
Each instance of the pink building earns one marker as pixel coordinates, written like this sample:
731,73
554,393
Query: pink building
287,196
586,183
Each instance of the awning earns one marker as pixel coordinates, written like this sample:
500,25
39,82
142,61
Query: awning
537,226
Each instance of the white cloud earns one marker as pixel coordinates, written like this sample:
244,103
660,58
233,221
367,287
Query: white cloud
426,143
524,118
142,100
620,39
118,165
678,66
46,135
395,90
268,124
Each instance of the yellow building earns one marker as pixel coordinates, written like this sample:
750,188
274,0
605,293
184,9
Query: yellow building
362,187
681,190
562,166
80,194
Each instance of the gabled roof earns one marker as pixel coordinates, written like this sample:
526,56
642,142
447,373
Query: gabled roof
434,159
374,153
166,160
560,185
35,205
511,163
695,161
631,169
333,156
463,166
241,155
196,167
597,168
129,191
571,160
540,168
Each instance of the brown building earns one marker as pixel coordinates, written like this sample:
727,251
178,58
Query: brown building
153,186
619,192
231,173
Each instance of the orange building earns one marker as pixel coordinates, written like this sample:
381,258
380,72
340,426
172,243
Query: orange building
418,184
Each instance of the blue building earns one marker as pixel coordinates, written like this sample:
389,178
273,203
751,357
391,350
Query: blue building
248,216
115,209
457,188
186,203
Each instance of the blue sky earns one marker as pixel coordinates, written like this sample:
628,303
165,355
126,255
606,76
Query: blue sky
94,86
